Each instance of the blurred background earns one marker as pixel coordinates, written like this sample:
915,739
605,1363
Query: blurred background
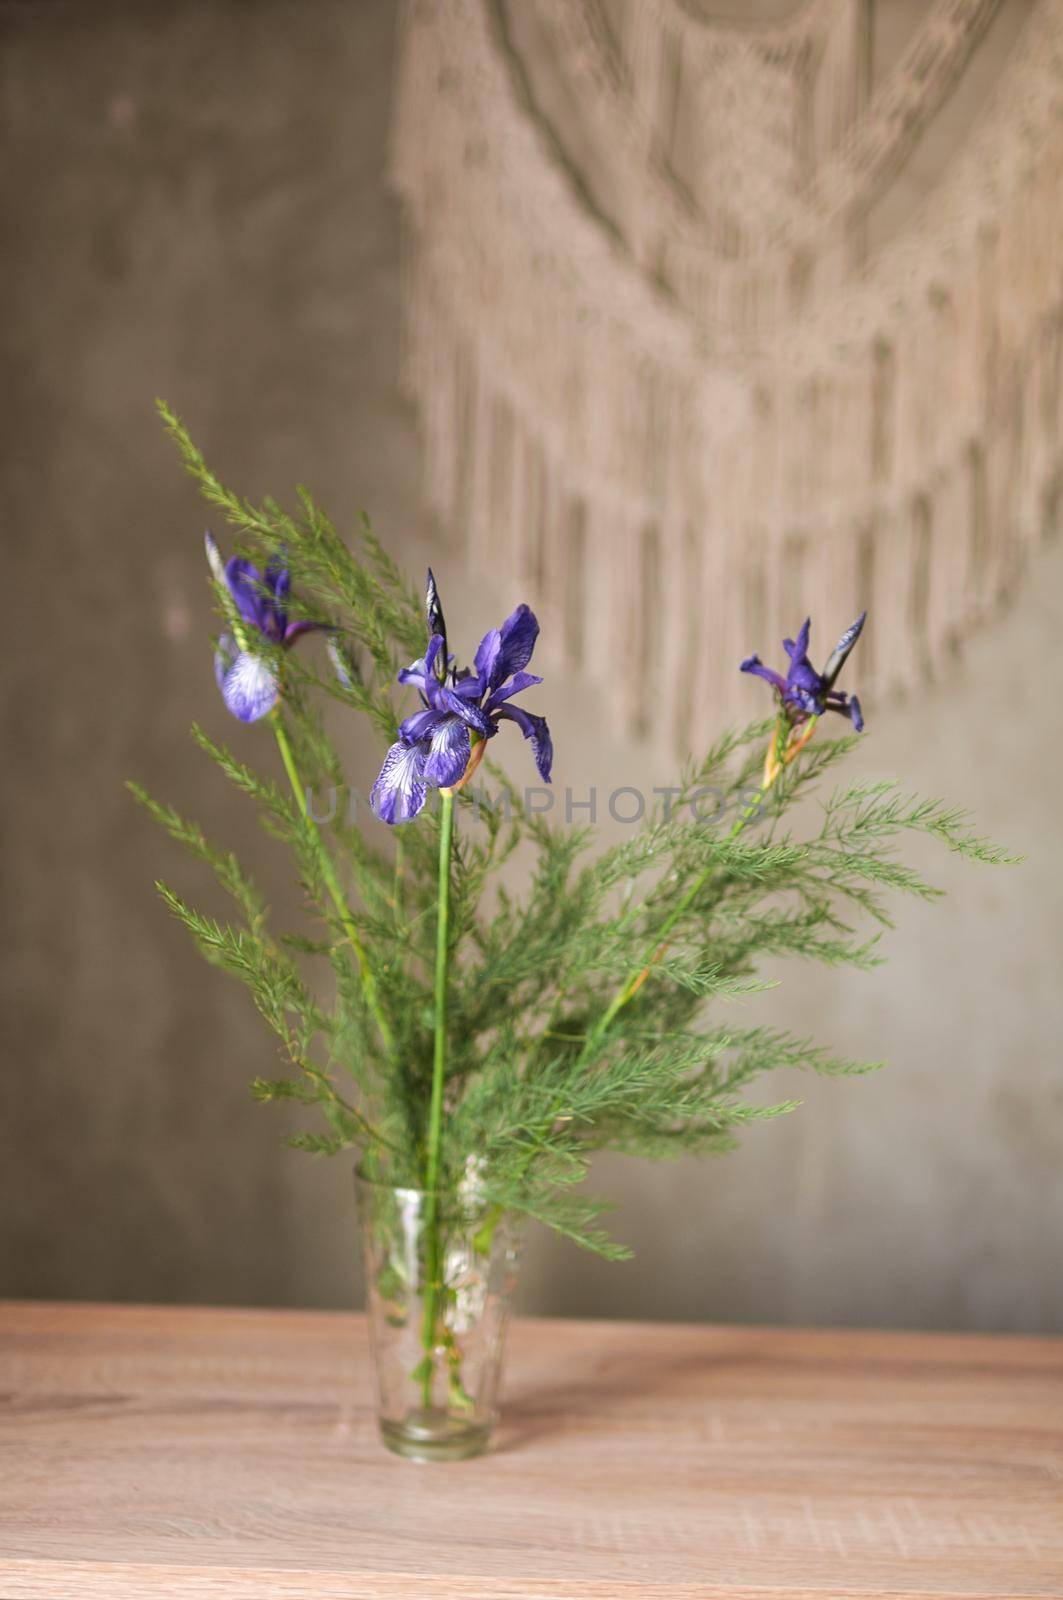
677,319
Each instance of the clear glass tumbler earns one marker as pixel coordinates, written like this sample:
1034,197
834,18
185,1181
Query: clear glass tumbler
440,1274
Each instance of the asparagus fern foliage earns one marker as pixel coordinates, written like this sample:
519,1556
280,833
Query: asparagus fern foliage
440,1023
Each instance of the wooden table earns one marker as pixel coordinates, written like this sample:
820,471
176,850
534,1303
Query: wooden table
156,1452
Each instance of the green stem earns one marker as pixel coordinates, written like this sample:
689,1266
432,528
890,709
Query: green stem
332,883
435,1110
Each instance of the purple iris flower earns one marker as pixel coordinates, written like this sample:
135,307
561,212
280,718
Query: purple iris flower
249,682
459,712
804,692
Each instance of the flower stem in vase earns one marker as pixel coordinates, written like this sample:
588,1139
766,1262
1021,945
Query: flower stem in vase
433,1254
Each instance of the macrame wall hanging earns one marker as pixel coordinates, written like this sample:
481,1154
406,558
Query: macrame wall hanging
681,377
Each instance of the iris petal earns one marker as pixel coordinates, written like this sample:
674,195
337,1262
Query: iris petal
278,580
399,792
250,687
433,608
756,666
245,586
277,583
810,704
520,681
486,658
416,674
432,663
448,754
803,675
518,633
468,688
847,705
420,726
467,710
841,650
797,648
295,630
535,729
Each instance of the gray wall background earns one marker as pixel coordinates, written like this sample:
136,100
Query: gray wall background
195,206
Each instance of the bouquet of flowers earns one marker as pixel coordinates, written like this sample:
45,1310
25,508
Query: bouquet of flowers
472,1045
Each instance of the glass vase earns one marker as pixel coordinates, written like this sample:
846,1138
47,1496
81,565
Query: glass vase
440,1273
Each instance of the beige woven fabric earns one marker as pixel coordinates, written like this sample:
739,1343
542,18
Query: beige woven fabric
674,382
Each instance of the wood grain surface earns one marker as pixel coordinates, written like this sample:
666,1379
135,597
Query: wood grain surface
151,1452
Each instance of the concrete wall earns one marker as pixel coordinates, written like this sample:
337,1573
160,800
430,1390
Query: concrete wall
195,207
